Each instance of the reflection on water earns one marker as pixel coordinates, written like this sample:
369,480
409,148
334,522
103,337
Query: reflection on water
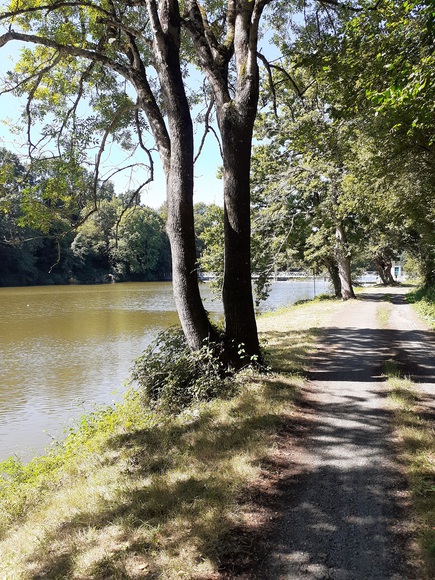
64,349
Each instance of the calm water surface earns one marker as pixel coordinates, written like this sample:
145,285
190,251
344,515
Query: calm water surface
65,349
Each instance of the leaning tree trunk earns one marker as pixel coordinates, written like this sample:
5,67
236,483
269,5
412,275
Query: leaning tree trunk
380,271
180,228
240,324
343,262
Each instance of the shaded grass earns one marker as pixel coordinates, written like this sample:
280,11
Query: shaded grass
416,434
161,495
139,494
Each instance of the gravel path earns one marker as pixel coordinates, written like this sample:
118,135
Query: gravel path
344,507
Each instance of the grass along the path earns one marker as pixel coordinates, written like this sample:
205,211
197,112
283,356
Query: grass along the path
423,301
416,435
133,494
415,432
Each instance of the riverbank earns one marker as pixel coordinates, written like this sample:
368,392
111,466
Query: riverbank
66,348
132,494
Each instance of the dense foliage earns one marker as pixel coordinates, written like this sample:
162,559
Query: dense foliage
172,377
347,140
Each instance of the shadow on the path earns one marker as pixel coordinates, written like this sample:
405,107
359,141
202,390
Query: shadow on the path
351,354
341,512
352,535
343,504
355,354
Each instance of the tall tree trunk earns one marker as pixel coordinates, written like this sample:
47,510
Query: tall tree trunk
428,270
240,323
334,275
178,166
343,262
236,98
180,228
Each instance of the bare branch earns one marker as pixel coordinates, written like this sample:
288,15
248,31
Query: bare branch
212,129
31,94
102,147
143,147
291,79
122,168
73,109
206,128
271,82
136,192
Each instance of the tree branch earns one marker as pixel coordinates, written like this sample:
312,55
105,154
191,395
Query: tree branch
349,6
271,82
214,60
206,128
31,94
69,50
109,17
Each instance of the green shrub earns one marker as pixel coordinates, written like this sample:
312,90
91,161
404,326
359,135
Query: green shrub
424,302
172,377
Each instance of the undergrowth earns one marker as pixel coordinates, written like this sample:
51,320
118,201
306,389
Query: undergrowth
423,300
171,377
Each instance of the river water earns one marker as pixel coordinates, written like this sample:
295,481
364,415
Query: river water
66,349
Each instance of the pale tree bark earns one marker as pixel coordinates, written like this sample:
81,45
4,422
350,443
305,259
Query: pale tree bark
342,255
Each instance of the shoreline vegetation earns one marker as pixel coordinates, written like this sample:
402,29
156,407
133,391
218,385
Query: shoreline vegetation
136,493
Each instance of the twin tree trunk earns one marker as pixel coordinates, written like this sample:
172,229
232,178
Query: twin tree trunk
236,131
171,126
240,323
383,267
